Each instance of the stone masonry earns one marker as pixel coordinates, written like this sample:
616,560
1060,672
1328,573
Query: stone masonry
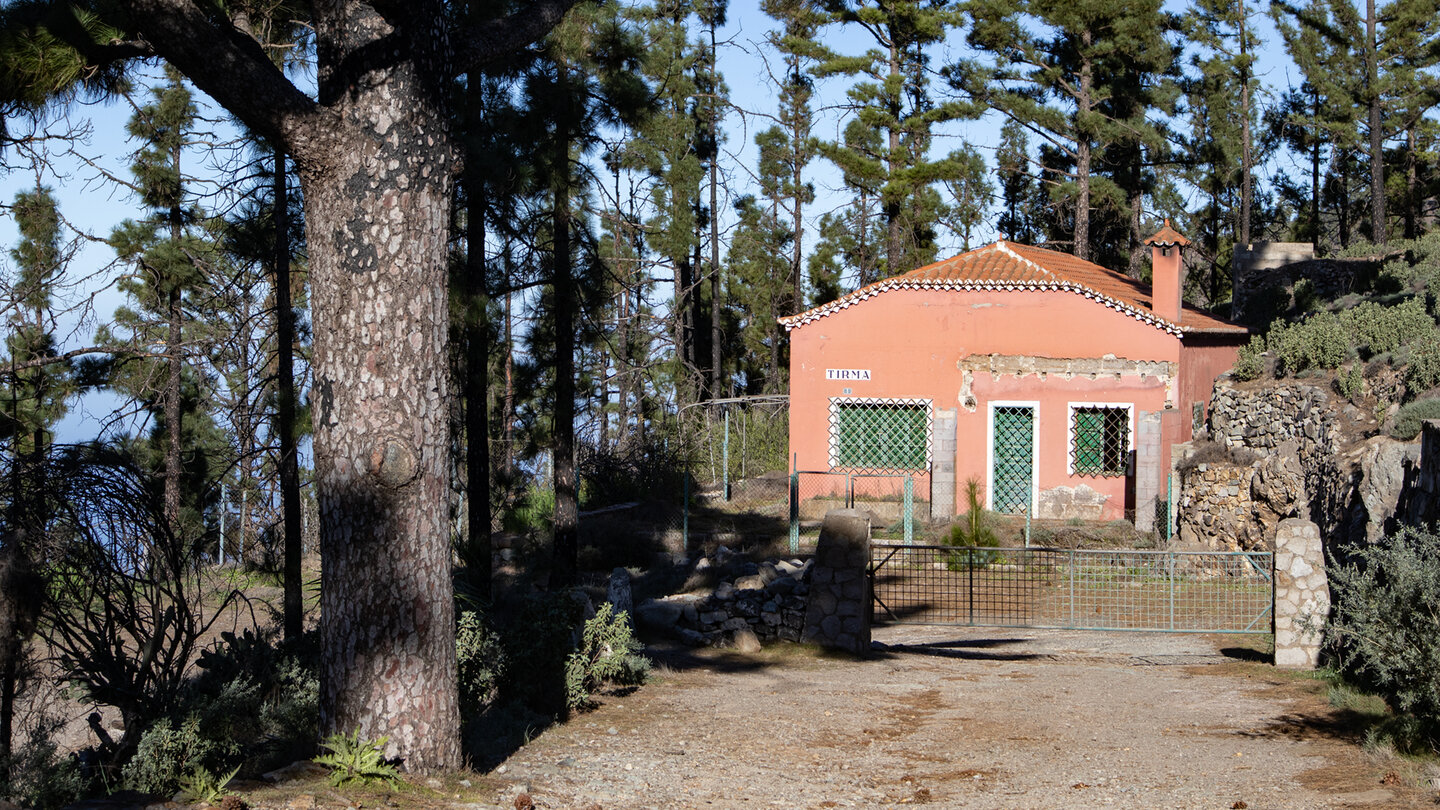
838,613
1302,594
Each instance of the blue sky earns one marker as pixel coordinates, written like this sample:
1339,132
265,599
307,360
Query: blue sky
92,204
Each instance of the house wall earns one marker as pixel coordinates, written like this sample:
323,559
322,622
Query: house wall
1205,357
967,349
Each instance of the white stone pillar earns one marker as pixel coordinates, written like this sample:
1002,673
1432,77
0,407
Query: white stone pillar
1302,594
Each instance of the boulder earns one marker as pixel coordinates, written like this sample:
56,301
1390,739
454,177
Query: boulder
620,595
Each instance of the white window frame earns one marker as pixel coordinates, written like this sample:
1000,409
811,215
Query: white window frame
833,433
1070,410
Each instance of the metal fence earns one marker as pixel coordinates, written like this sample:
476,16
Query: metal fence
1172,591
892,501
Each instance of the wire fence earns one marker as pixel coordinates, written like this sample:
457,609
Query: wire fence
1171,591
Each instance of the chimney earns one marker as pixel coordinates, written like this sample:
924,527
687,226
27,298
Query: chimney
1166,272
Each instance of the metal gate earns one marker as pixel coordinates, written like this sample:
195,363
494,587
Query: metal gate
1075,589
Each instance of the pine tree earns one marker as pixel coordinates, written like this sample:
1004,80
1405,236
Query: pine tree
885,149
1221,145
169,251
1021,193
34,400
1070,71
789,147
377,167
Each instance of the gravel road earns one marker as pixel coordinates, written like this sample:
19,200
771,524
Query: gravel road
966,718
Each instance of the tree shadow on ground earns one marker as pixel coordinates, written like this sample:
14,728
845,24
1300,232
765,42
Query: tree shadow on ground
976,649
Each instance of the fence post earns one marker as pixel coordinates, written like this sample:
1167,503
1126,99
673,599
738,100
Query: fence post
794,511
725,459
685,512
1171,557
909,509
224,507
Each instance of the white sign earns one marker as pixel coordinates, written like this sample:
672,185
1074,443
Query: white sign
847,374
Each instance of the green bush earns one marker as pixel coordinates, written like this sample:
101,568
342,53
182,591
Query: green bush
1319,341
533,512
1423,373
1352,383
608,654
1407,421
166,753
1385,629
481,659
1250,363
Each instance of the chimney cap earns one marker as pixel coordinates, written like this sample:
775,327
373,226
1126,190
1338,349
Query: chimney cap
1167,236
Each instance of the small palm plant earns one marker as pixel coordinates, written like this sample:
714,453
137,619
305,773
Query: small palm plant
973,531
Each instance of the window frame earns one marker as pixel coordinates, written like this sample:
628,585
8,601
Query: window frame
925,406
1123,469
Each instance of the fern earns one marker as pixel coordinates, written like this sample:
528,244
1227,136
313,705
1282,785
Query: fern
354,760
202,787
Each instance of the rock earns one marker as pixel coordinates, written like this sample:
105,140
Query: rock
619,594
524,802
725,591
1382,481
745,641
658,614
782,585
754,582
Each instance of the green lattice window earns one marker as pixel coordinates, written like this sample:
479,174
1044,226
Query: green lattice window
1012,475
882,434
1099,440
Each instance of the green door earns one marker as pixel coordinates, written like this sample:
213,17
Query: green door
1014,453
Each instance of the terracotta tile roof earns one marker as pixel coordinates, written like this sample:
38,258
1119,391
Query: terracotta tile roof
1009,266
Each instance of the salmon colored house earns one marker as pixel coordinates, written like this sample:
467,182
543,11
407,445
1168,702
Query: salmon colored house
1058,384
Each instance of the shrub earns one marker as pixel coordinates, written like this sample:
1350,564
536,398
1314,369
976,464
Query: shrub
1423,372
1385,629
166,753
1350,384
1250,364
1407,421
973,531
1319,341
608,653
481,659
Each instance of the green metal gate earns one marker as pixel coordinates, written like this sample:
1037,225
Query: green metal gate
1013,458
1073,589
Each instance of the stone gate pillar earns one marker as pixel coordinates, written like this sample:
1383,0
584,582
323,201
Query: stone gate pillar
837,610
1149,473
1302,594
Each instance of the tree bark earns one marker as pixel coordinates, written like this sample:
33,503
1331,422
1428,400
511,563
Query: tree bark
290,506
377,215
1084,104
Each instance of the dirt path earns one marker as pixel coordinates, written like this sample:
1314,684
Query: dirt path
974,719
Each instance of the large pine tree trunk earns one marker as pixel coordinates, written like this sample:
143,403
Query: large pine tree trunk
378,214
567,514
